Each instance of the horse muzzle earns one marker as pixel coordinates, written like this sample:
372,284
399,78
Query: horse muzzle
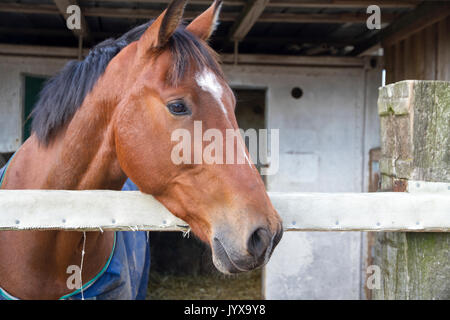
230,258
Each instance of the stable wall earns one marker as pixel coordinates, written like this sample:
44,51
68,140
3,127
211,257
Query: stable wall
12,71
424,55
325,137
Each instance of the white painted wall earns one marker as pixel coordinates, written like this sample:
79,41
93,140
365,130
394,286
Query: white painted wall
12,71
323,148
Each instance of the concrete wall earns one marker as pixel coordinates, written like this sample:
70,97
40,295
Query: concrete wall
325,137
12,71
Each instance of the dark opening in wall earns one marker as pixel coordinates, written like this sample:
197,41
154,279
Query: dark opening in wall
296,93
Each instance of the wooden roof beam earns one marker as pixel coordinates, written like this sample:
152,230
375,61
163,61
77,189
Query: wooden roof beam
127,13
241,27
254,59
320,18
342,4
426,14
62,6
247,19
303,4
197,2
27,8
49,9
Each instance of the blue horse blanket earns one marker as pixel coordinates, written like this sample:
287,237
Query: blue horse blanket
2,172
125,275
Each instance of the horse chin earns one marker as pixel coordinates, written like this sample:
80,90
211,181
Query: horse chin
222,260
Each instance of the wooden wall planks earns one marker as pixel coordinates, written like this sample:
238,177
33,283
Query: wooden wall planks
424,55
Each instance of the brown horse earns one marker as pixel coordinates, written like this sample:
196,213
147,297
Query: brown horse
111,116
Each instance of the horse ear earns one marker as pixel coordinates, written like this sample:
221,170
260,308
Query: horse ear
159,32
204,25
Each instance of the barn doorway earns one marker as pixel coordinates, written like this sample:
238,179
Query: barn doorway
181,268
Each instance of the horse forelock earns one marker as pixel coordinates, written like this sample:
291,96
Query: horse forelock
63,94
188,53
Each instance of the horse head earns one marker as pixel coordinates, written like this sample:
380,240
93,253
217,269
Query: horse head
174,82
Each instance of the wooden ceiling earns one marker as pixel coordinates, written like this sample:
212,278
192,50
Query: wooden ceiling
287,27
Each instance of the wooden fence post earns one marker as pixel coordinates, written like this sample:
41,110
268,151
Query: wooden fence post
415,146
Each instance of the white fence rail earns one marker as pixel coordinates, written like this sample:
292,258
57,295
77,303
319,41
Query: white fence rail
115,210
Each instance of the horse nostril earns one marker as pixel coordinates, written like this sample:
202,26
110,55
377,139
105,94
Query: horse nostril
277,237
258,243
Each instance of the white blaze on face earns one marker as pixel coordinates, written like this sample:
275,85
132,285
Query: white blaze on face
246,158
207,81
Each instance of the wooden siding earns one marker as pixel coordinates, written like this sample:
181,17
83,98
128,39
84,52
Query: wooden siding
424,55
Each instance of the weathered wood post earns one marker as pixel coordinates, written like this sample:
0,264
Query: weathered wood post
415,146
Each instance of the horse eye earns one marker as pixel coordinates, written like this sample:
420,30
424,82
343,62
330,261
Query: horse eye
178,108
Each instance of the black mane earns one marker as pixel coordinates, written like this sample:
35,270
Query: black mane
64,93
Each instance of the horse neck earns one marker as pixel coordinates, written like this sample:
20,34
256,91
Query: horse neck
86,157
